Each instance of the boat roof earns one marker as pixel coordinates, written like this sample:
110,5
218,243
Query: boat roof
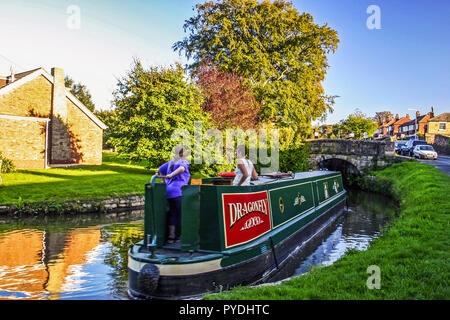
298,176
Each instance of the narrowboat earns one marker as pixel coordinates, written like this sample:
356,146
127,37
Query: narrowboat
230,235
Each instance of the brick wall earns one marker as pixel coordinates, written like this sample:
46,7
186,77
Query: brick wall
23,142
86,137
33,98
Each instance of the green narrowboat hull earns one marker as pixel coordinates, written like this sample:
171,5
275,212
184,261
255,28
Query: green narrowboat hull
230,235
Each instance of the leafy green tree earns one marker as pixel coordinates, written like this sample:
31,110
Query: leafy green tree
110,118
81,92
281,53
149,105
338,131
358,123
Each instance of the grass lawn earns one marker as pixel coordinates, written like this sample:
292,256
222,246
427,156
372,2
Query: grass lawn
412,254
115,177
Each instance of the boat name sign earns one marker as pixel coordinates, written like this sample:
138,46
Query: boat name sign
246,216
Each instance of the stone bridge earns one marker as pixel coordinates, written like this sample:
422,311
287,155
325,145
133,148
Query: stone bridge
352,156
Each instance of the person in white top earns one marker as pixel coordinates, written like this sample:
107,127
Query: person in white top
245,171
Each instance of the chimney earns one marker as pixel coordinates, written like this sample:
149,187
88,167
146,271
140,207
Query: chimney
397,117
432,112
417,114
59,135
407,116
13,74
59,96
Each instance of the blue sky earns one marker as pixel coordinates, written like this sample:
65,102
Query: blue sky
405,64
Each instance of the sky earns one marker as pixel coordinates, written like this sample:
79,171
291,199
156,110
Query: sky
404,64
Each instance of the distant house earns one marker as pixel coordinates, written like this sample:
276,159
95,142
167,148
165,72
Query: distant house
383,130
394,128
42,123
439,125
417,126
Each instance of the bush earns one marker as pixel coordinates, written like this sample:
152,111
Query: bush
7,165
294,159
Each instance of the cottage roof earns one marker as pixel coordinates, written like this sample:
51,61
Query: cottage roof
445,117
6,80
418,119
387,124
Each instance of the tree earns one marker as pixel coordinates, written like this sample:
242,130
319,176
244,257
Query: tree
108,117
358,123
228,101
383,117
281,53
81,92
150,104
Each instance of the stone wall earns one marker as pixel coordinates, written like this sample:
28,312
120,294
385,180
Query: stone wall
441,144
351,147
134,202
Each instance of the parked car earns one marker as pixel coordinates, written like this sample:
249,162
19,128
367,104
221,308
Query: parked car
409,147
399,145
425,152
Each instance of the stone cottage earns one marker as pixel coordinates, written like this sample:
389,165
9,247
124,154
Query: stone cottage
42,123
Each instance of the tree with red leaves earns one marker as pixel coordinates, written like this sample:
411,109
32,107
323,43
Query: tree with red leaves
229,102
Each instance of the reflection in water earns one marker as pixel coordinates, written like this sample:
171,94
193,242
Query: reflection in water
367,214
65,262
84,258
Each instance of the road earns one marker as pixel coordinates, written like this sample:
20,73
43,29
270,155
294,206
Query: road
442,163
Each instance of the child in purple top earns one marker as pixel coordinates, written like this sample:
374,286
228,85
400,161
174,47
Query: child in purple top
177,176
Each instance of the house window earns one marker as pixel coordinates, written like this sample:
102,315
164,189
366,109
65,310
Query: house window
442,125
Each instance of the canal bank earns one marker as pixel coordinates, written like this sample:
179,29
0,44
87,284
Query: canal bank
107,206
409,261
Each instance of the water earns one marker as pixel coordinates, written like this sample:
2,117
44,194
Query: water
354,230
85,257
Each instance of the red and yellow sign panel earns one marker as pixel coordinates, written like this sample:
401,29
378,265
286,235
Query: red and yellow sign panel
246,216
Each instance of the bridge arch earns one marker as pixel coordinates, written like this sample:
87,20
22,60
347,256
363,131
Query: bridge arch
345,166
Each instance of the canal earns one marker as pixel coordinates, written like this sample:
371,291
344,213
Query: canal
85,257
